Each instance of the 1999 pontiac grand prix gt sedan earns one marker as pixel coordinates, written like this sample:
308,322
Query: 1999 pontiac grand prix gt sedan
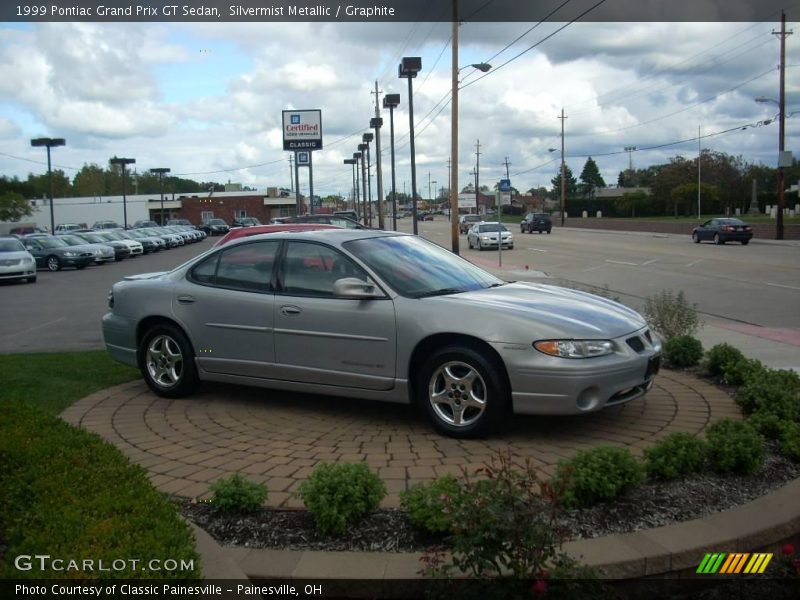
379,315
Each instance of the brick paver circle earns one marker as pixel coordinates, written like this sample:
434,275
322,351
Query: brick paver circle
277,438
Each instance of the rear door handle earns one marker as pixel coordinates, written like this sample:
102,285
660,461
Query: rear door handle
186,299
290,310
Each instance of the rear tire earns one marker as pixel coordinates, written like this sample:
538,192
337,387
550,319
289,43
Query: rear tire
462,391
745,242
166,360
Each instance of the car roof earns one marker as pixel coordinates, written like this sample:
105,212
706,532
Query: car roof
336,236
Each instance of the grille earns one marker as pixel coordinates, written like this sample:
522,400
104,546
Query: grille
636,343
648,336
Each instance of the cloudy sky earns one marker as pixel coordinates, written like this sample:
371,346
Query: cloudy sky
205,99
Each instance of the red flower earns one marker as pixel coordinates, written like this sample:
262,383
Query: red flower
787,549
539,587
544,573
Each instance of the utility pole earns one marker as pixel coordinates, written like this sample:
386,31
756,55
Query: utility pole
781,133
377,122
429,188
449,212
477,176
291,173
563,171
510,193
453,178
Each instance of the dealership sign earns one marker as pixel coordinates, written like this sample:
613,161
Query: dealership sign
302,129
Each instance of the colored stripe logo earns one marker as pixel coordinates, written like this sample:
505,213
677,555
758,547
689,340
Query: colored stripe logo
734,563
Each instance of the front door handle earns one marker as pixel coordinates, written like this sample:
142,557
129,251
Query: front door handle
290,310
186,299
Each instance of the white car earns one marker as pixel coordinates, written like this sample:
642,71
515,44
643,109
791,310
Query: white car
136,248
485,235
16,263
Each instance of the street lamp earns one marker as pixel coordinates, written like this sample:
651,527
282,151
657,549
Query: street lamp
455,70
358,207
161,171
390,101
367,138
122,162
376,123
49,143
362,148
352,161
408,69
781,148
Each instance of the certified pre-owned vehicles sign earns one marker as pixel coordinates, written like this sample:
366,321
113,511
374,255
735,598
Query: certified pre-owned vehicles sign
302,129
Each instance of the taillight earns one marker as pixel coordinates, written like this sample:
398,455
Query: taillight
727,228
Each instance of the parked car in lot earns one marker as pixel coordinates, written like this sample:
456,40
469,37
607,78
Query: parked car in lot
103,253
106,225
488,235
121,249
171,240
235,234
68,227
180,222
465,222
149,243
321,219
16,263
215,227
536,222
134,246
384,316
245,222
723,230
140,224
424,216
54,254
347,214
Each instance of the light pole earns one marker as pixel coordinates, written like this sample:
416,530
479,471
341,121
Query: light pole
563,172
49,143
362,148
367,138
352,161
408,69
358,207
390,101
455,70
123,162
161,171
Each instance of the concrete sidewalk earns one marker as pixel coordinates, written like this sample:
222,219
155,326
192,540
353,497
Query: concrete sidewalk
777,348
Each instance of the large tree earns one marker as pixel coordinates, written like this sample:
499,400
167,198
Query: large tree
591,179
571,184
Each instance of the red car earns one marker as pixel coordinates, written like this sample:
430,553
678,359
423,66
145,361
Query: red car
239,232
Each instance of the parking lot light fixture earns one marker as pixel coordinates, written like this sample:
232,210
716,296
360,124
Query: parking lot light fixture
362,150
408,69
123,162
367,138
391,101
352,162
49,143
161,171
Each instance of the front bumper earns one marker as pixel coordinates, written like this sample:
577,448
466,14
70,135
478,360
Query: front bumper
547,385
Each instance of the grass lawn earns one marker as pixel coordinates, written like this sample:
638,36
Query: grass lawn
69,494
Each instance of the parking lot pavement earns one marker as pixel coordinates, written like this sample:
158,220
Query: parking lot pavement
278,438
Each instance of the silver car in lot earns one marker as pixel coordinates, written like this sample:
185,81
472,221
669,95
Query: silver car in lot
384,316
16,263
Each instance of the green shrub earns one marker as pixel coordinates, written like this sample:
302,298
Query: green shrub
67,493
430,505
670,315
771,391
340,494
719,356
683,351
739,372
596,475
735,447
767,424
504,531
237,495
676,455
789,442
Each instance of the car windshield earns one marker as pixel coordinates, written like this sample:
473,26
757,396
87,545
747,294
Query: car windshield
11,246
216,222
731,222
52,243
92,237
491,227
416,268
72,240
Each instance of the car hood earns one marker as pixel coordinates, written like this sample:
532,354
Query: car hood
563,311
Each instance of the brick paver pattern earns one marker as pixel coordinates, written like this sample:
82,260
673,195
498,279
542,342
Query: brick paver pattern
277,438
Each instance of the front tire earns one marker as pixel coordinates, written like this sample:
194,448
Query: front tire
462,391
53,263
166,360
745,242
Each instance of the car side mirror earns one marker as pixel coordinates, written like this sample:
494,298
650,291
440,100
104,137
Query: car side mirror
353,287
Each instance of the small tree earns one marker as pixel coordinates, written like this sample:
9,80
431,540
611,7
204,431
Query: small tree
13,207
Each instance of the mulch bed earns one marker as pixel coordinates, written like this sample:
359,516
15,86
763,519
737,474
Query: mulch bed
648,506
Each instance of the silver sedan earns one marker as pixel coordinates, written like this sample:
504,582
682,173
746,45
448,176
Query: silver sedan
384,316
488,235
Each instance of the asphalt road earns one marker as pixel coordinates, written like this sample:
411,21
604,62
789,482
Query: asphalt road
756,284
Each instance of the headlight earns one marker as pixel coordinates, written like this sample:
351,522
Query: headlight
68,253
111,298
575,348
484,237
